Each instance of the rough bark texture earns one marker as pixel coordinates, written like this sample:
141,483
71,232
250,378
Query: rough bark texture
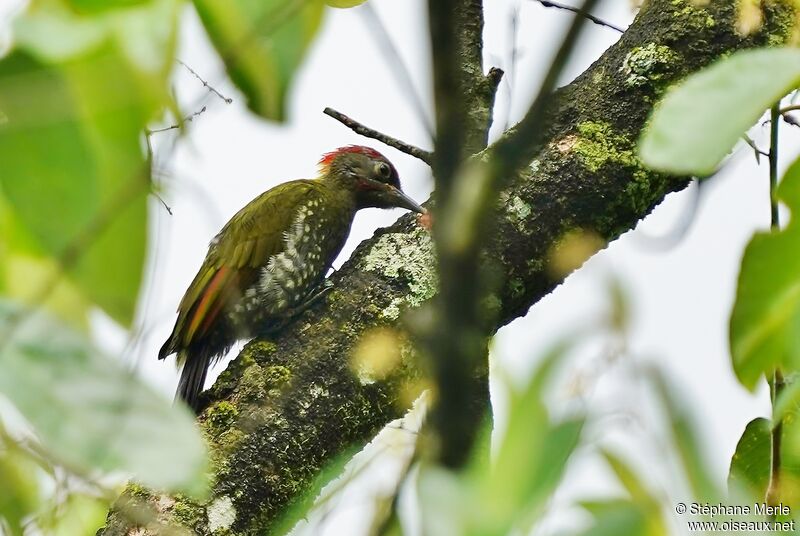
287,407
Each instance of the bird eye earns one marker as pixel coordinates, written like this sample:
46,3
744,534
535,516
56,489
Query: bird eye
384,170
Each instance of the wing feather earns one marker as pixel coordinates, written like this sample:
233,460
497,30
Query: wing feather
246,243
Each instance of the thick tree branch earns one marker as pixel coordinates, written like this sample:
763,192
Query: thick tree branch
286,407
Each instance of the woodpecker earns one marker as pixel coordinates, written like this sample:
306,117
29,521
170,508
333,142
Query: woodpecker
268,263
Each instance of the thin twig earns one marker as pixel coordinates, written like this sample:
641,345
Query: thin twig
588,16
150,159
187,119
208,86
511,74
758,152
790,120
358,128
166,206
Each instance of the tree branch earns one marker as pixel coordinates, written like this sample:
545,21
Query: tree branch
287,407
359,128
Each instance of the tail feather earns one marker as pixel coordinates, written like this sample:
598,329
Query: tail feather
193,377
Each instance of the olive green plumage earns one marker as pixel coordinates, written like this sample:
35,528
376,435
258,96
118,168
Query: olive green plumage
269,261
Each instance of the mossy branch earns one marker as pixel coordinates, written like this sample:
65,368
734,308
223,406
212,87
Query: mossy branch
287,407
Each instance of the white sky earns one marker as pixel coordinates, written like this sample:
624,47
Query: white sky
681,297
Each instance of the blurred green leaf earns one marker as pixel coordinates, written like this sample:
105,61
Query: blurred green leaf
79,515
90,412
532,454
616,517
448,501
19,491
25,269
262,43
688,445
698,122
494,498
77,182
641,498
750,465
77,93
344,3
765,321
94,6
628,478
142,32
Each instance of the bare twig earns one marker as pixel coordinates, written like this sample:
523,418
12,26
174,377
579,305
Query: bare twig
187,119
161,199
588,16
790,120
758,152
208,86
358,128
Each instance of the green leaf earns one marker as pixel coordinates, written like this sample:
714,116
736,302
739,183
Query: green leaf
76,95
614,517
533,452
19,498
78,515
26,269
698,122
95,6
687,443
344,3
262,43
142,31
765,321
89,411
750,465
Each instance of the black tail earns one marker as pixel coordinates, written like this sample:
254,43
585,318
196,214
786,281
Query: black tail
193,377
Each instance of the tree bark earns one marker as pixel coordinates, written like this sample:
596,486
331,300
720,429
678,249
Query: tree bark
287,407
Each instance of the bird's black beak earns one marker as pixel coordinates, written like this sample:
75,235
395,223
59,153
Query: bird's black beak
401,200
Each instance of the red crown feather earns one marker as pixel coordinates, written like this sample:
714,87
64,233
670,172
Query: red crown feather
327,158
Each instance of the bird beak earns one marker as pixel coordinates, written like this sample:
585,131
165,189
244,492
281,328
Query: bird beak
401,200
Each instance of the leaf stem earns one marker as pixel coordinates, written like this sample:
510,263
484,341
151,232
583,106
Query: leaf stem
775,114
776,384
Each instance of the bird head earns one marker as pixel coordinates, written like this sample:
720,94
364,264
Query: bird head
369,175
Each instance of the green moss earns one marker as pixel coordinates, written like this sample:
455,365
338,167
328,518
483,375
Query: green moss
137,490
252,384
258,350
186,513
693,14
598,145
648,64
220,417
230,376
409,257
277,375
229,440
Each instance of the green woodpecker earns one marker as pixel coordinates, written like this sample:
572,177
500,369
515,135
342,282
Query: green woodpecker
269,261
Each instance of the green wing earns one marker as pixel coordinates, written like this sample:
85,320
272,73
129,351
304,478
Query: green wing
245,243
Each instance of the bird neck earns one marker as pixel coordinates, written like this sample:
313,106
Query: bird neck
340,194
